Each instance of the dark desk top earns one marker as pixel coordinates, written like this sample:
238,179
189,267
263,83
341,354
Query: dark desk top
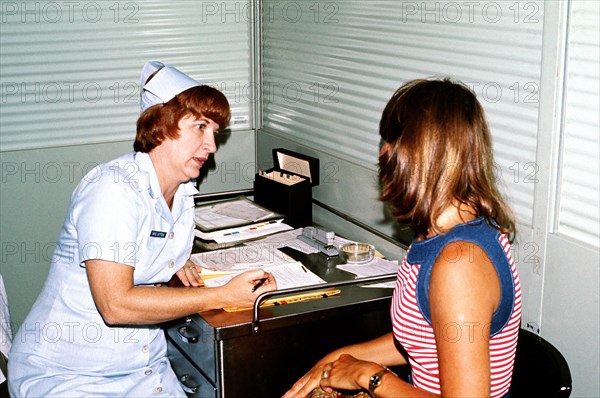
352,297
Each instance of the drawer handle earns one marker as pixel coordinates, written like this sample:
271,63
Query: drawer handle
189,390
302,289
188,334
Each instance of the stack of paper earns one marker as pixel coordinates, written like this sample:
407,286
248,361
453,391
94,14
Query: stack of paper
231,213
377,266
238,234
235,221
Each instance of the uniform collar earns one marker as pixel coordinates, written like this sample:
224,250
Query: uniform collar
182,200
148,173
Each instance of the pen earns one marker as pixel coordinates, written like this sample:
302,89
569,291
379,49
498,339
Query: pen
259,284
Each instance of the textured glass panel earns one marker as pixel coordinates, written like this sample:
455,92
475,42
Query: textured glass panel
579,206
69,71
329,68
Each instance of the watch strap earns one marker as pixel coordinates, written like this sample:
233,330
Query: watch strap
375,380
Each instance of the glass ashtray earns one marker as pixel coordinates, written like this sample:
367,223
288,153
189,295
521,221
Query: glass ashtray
357,253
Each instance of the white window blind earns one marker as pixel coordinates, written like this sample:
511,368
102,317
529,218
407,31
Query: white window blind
328,68
69,71
579,204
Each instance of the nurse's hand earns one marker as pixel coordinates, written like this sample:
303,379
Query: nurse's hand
189,274
244,288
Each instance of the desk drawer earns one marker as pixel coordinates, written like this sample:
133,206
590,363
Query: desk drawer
197,341
192,381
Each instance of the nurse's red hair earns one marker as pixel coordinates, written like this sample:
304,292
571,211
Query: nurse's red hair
161,121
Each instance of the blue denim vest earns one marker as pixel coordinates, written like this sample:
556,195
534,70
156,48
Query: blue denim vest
477,231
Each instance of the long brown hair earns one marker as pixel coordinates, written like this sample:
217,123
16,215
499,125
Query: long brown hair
161,121
437,152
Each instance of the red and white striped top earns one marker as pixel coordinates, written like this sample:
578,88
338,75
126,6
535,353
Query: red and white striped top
416,335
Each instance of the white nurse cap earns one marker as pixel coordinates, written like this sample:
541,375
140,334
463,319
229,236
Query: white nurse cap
166,84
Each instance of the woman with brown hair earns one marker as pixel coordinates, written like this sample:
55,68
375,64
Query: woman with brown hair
456,307
93,330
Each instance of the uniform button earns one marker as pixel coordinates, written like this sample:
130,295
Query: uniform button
171,264
171,235
148,372
158,389
135,184
157,207
145,349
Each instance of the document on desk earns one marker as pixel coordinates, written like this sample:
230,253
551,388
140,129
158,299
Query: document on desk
287,275
231,213
285,239
241,258
245,233
377,266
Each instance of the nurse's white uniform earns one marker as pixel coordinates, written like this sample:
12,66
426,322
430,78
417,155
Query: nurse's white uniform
64,348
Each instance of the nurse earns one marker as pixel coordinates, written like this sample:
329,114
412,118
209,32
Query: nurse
94,329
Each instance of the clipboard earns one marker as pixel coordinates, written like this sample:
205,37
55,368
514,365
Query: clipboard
231,213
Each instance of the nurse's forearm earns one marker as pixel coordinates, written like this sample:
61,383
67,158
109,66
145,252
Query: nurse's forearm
120,302
149,305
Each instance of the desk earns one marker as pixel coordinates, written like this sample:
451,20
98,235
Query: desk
216,354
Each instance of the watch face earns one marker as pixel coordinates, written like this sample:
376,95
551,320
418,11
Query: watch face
374,382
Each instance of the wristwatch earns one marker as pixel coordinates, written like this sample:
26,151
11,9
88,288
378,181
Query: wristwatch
375,380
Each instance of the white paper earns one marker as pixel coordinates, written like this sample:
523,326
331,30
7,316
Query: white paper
240,258
375,267
286,275
228,213
382,285
244,233
286,239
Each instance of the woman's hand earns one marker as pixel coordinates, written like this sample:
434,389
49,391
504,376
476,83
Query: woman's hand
381,349
189,274
347,373
241,290
343,373
308,382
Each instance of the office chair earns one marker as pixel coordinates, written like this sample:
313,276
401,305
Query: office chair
540,369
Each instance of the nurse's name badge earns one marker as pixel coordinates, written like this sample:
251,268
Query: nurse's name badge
158,234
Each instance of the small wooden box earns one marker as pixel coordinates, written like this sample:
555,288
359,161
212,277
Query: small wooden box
287,187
